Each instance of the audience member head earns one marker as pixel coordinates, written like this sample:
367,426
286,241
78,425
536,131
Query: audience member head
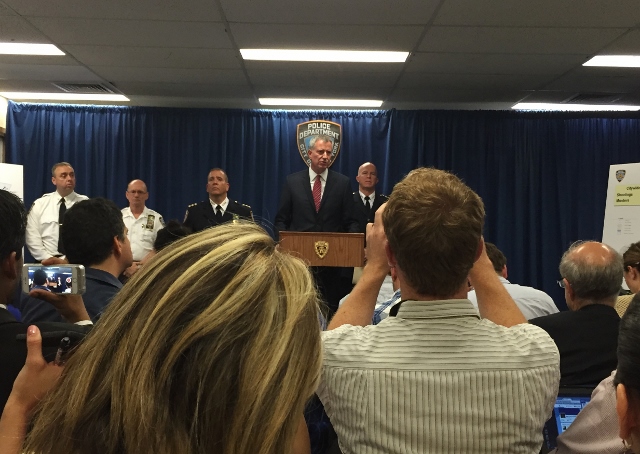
631,260
627,378
212,347
63,178
13,224
592,273
39,277
433,223
171,232
497,258
93,232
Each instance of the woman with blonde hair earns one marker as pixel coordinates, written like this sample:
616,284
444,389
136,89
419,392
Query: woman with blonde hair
631,260
213,348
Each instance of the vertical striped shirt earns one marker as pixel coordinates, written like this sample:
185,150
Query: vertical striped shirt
437,379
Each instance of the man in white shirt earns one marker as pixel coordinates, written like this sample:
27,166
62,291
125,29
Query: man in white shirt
435,376
532,302
46,214
142,222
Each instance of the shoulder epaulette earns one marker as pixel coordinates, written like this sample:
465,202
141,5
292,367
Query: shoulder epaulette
192,205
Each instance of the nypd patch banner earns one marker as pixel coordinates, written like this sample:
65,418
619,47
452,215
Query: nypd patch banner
310,129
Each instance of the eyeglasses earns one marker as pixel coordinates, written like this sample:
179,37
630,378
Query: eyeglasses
561,283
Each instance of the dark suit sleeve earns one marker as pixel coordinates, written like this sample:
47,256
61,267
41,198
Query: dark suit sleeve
283,217
349,219
188,219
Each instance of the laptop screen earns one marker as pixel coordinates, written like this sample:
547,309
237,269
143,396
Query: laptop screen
568,404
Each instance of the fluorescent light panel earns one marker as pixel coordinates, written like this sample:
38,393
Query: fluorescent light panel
29,49
355,56
618,61
63,96
320,102
571,107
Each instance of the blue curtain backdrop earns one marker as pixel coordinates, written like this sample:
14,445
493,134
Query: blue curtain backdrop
543,177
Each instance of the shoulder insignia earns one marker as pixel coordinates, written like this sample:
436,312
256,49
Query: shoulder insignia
192,205
161,221
245,205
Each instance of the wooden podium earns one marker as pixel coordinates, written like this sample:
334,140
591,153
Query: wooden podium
325,248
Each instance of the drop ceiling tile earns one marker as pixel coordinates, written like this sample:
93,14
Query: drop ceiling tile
171,10
56,60
16,29
188,90
332,36
594,80
134,33
369,12
155,57
54,73
493,63
518,40
629,43
172,75
478,82
428,94
326,79
563,13
319,92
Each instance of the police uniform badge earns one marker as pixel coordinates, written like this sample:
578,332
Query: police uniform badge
310,129
620,175
150,220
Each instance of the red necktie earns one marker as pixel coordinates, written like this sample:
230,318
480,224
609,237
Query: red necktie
317,192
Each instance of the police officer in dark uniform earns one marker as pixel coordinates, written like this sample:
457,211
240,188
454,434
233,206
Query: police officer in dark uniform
366,200
217,209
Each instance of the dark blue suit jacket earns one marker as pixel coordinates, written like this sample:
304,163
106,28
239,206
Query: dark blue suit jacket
297,212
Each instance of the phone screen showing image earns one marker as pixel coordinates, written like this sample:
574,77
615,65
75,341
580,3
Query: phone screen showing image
56,279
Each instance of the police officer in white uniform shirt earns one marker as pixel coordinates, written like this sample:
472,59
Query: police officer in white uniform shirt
142,223
47,213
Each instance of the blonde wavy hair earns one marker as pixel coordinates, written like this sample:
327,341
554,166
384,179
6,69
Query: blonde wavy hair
214,347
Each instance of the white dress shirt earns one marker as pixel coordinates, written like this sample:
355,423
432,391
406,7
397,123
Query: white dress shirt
531,302
223,205
323,179
42,224
372,197
142,232
438,379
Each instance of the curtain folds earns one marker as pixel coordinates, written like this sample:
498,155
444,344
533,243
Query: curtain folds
542,176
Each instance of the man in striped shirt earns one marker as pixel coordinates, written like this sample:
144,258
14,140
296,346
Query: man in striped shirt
435,376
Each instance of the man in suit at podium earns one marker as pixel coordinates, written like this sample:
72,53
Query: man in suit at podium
218,209
366,199
319,200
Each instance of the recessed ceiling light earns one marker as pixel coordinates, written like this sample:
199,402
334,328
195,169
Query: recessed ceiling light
571,107
63,96
320,102
355,56
29,49
619,61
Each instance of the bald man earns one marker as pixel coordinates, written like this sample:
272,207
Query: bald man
366,199
142,223
587,334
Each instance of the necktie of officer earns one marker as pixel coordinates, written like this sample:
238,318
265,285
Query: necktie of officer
218,212
367,203
61,212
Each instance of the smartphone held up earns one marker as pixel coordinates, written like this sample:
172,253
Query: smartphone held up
55,278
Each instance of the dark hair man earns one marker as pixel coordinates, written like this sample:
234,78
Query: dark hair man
587,334
94,236
12,351
440,377
46,214
531,302
218,209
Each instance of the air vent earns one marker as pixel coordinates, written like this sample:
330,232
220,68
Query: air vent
594,98
84,88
